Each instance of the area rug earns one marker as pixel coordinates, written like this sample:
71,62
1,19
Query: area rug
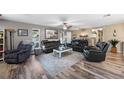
54,65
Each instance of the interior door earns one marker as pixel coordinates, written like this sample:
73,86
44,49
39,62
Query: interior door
9,39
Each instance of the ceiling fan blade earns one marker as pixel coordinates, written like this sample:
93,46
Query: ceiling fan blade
69,27
57,24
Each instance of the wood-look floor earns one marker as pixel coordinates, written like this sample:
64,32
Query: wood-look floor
112,68
31,69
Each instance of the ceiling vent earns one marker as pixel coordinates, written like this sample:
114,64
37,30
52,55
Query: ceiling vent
107,15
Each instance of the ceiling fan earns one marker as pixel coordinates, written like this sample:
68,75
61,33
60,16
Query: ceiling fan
66,26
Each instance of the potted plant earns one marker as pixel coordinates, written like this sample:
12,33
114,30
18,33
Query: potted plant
114,42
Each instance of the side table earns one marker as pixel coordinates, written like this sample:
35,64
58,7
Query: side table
37,51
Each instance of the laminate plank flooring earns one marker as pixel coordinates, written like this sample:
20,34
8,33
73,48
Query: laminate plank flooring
31,69
111,68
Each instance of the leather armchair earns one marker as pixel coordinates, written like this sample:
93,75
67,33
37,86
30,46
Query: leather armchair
14,50
19,55
96,54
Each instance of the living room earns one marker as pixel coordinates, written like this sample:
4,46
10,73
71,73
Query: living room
68,46
61,46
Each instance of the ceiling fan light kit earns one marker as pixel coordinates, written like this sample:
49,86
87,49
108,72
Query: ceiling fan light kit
64,27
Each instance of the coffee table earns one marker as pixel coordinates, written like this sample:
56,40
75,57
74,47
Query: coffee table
61,51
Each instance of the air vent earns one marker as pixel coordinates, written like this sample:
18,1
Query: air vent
107,15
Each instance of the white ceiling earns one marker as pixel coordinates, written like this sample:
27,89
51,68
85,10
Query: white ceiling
76,20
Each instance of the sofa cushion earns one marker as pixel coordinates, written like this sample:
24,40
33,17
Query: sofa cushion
101,45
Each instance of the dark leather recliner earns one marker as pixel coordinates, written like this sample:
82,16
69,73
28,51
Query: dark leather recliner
19,55
78,45
96,54
50,45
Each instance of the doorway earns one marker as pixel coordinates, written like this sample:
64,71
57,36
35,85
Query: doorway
9,39
100,36
36,38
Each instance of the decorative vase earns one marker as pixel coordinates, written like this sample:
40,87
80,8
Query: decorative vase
114,50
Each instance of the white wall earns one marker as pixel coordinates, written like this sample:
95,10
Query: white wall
91,40
18,25
81,32
108,33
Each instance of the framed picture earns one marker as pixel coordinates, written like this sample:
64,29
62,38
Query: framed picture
22,32
51,34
